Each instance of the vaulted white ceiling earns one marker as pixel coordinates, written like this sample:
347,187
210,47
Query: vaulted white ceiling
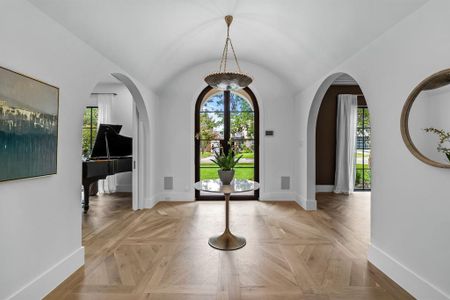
299,40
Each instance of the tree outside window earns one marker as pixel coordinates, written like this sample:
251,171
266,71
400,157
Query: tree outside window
89,131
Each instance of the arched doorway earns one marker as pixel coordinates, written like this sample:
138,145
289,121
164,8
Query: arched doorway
141,143
334,85
225,120
124,105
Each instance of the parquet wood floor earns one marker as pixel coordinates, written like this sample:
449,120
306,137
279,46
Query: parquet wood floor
163,253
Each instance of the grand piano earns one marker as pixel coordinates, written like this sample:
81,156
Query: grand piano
110,155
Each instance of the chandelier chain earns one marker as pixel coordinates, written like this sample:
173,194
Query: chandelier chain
224,59
224,80
235,57
226,55
223,56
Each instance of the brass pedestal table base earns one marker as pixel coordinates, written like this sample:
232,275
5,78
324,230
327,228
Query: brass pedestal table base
227,240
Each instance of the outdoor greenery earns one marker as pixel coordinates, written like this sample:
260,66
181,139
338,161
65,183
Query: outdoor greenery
207,129
249,155
241,131
363,117
363,176
241,171
226,161
242,118
89,131
359,176
363,125
212,121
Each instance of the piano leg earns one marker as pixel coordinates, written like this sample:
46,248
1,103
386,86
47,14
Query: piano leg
86,197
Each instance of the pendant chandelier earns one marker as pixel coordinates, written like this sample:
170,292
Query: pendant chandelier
225,80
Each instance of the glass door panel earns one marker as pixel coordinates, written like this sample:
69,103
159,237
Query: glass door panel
363,176
208,170
211,125
242,125
245,169
211,137
242,131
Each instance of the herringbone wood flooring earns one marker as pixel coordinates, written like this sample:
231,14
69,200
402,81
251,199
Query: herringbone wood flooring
162,253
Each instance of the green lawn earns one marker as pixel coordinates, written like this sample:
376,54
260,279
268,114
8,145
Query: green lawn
208,170
242,171
244,155
360,166
359,176
205,154
212,165
248,155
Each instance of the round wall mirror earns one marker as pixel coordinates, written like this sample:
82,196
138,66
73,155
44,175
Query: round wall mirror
425,121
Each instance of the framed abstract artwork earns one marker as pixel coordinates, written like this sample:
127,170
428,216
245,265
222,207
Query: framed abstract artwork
28,126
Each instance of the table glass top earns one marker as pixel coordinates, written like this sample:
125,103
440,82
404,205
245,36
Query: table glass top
236,186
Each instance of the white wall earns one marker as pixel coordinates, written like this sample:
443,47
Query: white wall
40,218
176,127
410,200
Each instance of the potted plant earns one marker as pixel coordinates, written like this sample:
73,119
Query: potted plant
226,163
444,137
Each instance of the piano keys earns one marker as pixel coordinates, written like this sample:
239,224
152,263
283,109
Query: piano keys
110,155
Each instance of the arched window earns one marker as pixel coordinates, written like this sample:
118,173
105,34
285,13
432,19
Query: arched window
225,119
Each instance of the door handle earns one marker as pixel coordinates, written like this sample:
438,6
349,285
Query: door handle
197,136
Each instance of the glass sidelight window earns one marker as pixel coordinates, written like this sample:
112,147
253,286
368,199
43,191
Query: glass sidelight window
363,150
89,131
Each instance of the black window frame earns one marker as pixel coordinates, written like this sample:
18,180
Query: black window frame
227,136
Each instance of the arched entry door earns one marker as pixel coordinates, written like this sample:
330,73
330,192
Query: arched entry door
225,119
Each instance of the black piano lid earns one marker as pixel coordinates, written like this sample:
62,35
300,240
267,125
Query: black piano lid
119,145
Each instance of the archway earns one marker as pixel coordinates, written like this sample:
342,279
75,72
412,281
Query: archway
141,145
131,155
311,133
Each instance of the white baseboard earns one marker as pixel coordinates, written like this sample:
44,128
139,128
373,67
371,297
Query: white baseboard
175,196
124,188
307,204
189,196
150,202
407,279
324,188
39,287
278,196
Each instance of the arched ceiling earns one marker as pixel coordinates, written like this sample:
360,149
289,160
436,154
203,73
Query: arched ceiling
299,40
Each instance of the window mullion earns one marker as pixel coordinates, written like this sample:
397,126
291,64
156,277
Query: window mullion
226,121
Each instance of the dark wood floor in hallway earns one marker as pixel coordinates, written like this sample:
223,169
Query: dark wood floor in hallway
163,253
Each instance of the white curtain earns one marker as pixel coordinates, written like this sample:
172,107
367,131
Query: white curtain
104,102
347,114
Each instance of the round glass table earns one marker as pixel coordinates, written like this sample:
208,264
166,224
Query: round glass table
227,240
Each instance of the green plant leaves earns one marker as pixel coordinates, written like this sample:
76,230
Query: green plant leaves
224,161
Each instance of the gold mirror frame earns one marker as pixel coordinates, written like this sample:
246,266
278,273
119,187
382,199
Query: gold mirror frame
436,80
